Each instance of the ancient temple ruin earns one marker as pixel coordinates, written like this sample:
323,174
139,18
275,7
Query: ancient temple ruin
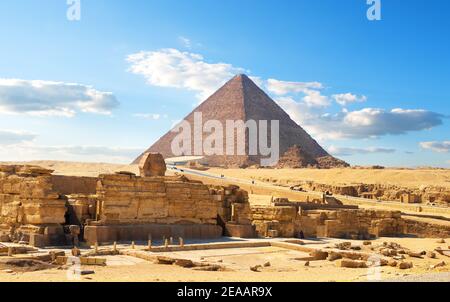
42,209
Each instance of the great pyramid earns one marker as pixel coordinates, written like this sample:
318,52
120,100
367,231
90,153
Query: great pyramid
242,99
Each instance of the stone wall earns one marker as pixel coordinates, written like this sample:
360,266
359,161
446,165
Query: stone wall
130,207
280,219
355,224
424,229
129,199
81,209
28,203
292,221
427,194
68,185
234,211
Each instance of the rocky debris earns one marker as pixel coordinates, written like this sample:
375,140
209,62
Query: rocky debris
405,265
186,263
25,265
152,164
343,246
329,162
431,255
255,268
347,263
165,260
388,252
76,252
392,263
415,255
441,241
288,221
307,263
430,195
210,268
4,238
332,256
318,255
295,157
440,264
374,262
83,272
8,271
267,264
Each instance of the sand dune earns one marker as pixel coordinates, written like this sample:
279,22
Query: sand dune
400,177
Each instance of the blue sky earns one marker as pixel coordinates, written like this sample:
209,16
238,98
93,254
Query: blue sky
372,92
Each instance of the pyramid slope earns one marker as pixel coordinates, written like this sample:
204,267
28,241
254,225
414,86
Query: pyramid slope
242,99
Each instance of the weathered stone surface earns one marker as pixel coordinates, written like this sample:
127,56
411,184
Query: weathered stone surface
351,263
152,164
128,199
27,197
405,265
290,221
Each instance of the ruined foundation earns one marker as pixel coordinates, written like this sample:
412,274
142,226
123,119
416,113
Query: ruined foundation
42,209
130,207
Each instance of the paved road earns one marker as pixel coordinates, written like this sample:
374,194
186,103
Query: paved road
266,185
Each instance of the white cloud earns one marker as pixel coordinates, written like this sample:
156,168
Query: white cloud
150,116
258,81
349,151
185,41
440,147
283,87
32,151
347,98
314,98
46,98
9,137
173,68
365,123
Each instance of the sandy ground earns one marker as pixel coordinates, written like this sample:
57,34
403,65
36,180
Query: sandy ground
78,168
408,178
285,265
401,177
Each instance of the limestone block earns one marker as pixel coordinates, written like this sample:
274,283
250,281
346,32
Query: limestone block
152,164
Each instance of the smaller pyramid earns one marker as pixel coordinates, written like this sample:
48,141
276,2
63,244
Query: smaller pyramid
295,157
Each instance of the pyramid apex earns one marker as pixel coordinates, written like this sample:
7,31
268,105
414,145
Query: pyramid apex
241,76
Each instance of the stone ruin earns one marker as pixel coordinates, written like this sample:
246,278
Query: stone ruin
30,210
116,207
42,209
304,219
420,195
234,212
152,164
